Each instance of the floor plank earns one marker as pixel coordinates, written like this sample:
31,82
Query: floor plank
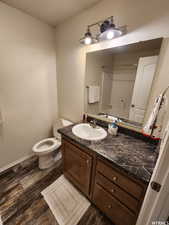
93,216
24,204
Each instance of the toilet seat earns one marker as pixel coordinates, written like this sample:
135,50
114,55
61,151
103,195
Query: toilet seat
46,145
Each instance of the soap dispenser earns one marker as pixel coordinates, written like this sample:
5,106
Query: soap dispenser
113,128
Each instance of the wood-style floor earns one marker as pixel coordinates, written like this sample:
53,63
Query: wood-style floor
24,204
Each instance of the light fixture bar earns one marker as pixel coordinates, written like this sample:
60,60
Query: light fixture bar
100,22
107,31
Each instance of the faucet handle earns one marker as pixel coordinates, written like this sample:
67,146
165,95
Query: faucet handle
93,123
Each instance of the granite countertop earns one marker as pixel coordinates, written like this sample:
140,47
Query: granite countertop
135,156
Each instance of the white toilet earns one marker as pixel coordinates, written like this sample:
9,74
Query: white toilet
45,148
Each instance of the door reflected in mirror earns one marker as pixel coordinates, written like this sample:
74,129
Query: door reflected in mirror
119,80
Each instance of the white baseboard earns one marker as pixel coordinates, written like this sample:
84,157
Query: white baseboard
2,169
1,221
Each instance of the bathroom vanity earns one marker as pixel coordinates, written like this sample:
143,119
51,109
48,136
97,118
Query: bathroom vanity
113,173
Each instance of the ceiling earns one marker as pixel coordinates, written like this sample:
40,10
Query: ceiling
52,12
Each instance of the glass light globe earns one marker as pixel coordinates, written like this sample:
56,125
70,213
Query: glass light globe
88,40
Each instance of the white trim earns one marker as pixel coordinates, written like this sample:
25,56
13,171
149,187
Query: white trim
126,39
1,221
2,169
153,208
164,209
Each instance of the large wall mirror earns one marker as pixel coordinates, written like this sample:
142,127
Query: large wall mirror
119,80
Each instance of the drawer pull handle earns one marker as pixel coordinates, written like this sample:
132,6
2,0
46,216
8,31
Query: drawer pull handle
114,178
109,206
87,161
112,190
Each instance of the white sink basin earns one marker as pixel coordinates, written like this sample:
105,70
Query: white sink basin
85,131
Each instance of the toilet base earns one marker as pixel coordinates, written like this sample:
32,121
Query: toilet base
46,161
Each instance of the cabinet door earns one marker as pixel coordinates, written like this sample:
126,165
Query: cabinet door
77,167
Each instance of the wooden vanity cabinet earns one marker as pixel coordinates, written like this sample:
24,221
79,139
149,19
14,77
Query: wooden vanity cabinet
114,192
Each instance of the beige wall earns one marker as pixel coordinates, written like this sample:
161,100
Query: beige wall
28,98
143,23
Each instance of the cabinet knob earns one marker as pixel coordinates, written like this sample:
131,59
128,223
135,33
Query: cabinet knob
114,178
109,206
112,190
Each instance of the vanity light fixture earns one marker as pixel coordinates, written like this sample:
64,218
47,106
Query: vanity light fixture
107,31
88,39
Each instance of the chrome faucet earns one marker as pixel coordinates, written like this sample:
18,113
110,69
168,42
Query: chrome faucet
93,123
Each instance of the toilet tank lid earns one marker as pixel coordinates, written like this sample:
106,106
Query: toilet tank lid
59,124
66,122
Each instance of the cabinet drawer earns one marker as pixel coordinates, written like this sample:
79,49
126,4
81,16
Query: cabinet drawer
118,213
124,182
118,193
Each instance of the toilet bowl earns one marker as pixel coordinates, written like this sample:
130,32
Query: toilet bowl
46,147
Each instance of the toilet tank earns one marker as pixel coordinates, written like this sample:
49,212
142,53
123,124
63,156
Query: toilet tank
59,124
66,122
